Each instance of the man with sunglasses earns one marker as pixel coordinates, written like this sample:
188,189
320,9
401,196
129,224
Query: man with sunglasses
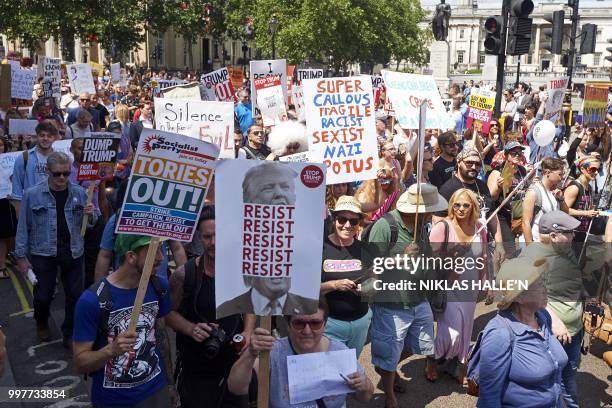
49,233
444,165
84,103
255,149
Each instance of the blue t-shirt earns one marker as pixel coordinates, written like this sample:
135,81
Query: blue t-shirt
108,243
134,376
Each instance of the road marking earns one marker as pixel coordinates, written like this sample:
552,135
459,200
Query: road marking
55,367
32,349
25,305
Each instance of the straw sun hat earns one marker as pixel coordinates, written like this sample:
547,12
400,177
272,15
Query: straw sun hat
348,203
426,202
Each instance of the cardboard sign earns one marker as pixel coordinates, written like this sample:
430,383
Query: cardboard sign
22,83
212,122
189,92
63,146
262,69
270,100
556,91
302,157
52,76
98,156
236,77
115,70
297,95
341,127
218,86
480,111
80,78
309,73
378,89
268,233
595,106
7,164
406,91
22,126
159,84
170,177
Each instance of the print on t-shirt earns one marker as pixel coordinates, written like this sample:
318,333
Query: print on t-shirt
140,365
341,265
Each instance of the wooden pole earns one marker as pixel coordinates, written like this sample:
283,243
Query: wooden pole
90,191
144,282
419,163
263,378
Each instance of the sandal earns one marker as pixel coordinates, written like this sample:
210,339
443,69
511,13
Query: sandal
4,273
398,385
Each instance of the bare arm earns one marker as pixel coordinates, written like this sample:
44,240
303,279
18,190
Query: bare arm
493,184
163,345
180,258
569,197
102,264
528,208
87,360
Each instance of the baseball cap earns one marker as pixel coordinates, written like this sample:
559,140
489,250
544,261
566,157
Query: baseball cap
557,221
125,243
513,145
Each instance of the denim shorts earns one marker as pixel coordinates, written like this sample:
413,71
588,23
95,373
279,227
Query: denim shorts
396,330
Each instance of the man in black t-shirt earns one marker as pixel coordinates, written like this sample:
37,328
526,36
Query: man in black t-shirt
444,166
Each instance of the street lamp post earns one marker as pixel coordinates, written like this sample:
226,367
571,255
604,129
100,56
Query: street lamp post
273,27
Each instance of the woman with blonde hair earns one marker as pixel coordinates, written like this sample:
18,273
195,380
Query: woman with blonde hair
457,236
379,196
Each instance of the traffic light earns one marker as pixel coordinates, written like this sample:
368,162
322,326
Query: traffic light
494,27
588,38
555,45
609,49
519,27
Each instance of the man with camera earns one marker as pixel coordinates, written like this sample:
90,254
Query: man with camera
206,347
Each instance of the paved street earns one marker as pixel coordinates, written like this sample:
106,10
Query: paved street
49,364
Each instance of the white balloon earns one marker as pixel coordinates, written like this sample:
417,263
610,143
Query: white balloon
544,133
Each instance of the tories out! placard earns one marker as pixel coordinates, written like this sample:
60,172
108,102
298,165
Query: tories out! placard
341,127
170,177
99,156
211,122
268,237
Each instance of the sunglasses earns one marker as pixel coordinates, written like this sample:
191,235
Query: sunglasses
301,324
343,220
465,206
57,174
84,100
493,125
258,132
515,153
472,164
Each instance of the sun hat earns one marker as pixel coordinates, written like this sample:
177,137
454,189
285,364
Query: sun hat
515,270
429,200
348,203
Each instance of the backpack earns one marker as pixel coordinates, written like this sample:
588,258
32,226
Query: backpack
473,360
365,235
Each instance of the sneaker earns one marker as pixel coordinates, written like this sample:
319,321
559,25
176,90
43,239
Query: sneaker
42,331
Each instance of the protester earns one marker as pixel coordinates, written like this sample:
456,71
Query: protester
287,138
444,165
82,127
425,170
203,369
492,144
238,140
49,233
84,104
402,327
459,236
243,111
520,359
305,336
379,196
103,113
128,368
8,227
255,149
509,109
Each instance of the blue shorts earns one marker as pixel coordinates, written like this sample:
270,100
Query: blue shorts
394,331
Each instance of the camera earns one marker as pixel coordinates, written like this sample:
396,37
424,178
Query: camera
594,309
212,345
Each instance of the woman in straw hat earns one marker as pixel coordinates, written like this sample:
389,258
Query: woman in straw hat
521,361
456,237
349,316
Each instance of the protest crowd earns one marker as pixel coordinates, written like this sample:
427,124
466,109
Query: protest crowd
526,192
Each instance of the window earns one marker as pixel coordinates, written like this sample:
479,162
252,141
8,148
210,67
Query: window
529,59
578,59
481,58
461,33
596,58
460,56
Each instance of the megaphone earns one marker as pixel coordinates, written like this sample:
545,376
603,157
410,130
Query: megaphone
544,133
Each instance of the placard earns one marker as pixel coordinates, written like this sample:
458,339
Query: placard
212,122
308,73
22,126
595,106
269,237
7,164
406,91
170,177
236,77
297,95
480,111
98,156
115,70
22,83
341,127
218,86
261,69
270,100
80,78
159,84
556,91
63,146
52,76
189,92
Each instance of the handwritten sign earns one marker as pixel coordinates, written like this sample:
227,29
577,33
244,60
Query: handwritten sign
80,78
22,126
170,177
98,156
211,122
189,91
480,111
270,100
297,95
115,70
22,83
160,84
262,69
407,91
556,90
7,164
341,127
236,77
52,76
308,73
595,106
218,86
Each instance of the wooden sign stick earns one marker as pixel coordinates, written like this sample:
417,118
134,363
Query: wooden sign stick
144,282
90,191
263,377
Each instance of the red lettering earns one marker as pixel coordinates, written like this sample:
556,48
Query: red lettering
248,225
248,210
